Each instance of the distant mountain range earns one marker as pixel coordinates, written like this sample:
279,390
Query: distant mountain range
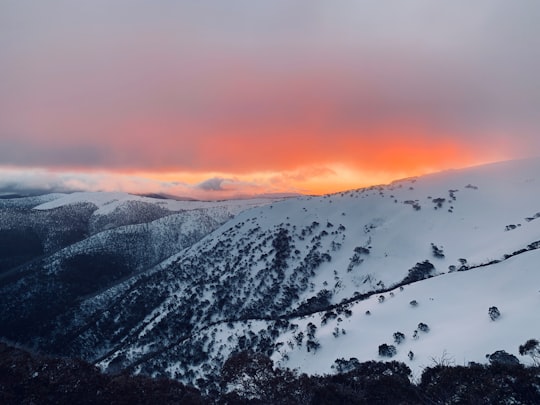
437,268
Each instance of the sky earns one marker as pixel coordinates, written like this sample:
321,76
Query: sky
215,99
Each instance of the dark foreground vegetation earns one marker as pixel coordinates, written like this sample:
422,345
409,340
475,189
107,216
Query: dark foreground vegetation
250,378
31,379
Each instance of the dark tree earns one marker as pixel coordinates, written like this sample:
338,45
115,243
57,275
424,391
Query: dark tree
437,251
502,358
248,373
344,366
419,272
531,348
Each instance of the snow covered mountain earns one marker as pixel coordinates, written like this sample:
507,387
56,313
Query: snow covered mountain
57,250
443,266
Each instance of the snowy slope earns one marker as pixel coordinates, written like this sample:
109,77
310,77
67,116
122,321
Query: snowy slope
454,306
248,284
107,202
58,250
58,220
280,278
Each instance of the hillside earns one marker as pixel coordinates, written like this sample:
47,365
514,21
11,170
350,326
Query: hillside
313,279
58,250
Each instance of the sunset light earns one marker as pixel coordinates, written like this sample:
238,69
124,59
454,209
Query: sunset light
215,102
269,201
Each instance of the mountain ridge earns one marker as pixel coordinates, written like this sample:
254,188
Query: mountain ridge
293,279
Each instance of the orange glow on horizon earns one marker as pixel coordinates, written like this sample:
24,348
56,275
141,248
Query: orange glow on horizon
318,164
289,162
212,104
327,178
310,154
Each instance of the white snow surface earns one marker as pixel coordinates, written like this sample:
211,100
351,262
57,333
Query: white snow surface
454,306
107,202
487,218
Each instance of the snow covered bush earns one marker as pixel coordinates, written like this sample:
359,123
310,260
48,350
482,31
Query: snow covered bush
494,313
356,259
423,327
437,251
387,350
328,316
399,337
438,202
312,345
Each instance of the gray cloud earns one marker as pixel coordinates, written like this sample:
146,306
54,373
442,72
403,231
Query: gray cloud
215,184
40,181
75,76
19,151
